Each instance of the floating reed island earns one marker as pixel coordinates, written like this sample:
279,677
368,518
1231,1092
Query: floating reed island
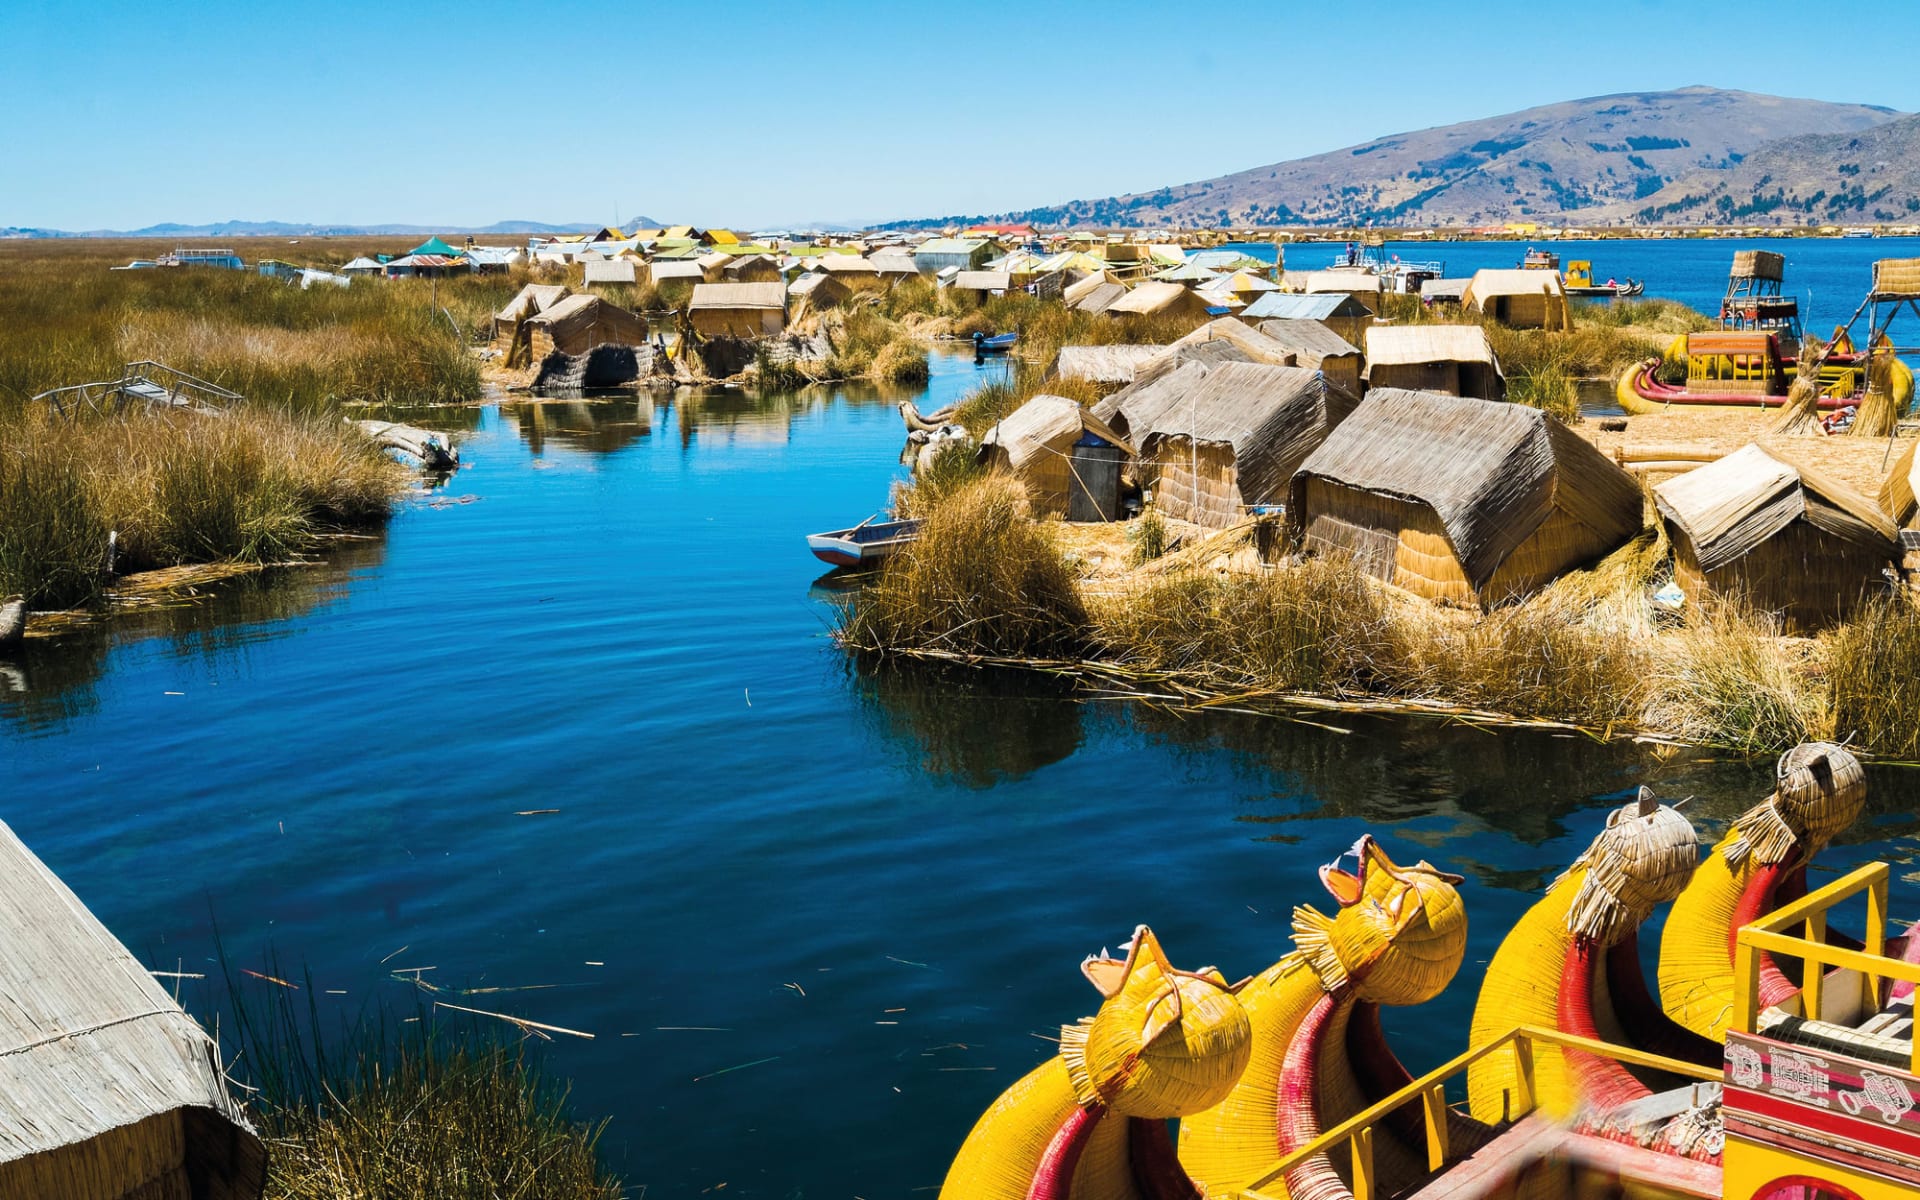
1733,577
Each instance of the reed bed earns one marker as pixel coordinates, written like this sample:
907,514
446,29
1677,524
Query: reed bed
408,1109
81,501
983,579
989,586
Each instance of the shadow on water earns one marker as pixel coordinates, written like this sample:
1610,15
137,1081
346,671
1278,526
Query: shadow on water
54,680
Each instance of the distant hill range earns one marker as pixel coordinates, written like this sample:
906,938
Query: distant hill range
1867,177
291,229
1606,158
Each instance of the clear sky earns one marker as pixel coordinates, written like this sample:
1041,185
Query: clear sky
119,115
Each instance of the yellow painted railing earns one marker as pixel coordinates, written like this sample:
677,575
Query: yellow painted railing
1430,1090
1808,915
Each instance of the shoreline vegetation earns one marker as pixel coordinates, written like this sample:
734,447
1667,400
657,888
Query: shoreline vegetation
1204,627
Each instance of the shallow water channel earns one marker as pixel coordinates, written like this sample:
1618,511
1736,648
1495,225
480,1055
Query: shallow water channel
815,921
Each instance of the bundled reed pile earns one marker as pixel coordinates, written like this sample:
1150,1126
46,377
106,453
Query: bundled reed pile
1800,414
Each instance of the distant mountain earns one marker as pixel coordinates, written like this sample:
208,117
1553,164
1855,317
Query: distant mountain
1866,177
292,229
1554,161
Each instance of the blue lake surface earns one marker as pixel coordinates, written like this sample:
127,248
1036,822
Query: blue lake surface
874,889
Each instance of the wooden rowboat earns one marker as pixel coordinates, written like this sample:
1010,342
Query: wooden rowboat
863,545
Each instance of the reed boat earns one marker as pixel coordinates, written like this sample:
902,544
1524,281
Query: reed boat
1782,1066
863,545
1749,368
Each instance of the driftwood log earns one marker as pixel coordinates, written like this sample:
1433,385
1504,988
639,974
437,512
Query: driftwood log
434,451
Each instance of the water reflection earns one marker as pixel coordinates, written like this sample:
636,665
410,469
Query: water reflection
975,729
54,680
601,425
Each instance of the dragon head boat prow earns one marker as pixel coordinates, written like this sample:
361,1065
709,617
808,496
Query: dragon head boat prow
1398,935
1092,1120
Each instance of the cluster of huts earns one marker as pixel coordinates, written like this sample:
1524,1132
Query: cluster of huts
1402,458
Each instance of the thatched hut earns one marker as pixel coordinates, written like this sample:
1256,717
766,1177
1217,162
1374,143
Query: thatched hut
816,291
675,270
713,266
751,268
938,254
1339,312
111,1091
509,322
1769,532
1035,443
1318,348
1462,501
978,285
854,270
577,324
1097,298
1235,438
1455,359
1154,299
1519,299
1900,492
1105,365
1257,345
741,310
1161,381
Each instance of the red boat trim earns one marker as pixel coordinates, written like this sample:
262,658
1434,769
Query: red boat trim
1053,1178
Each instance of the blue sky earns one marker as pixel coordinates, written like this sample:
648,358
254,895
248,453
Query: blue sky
118,115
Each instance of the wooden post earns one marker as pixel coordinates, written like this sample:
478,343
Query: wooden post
1746,982
1363,1177
1814,973
1434,1102
1523,1090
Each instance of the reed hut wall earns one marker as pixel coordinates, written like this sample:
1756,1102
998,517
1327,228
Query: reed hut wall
579,323
1459,500
754,268
1809,578
738,310
111,1091
1519,299
1900,494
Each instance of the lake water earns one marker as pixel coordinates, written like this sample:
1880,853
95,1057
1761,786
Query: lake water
874,889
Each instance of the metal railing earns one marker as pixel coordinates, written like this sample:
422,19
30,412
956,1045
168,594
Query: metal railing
1430,1091
1808,914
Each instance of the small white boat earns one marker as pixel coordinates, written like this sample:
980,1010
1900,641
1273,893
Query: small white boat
864,544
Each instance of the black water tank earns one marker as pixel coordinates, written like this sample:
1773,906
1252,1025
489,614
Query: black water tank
1093,491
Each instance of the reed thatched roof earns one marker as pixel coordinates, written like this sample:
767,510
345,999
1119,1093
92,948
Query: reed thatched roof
1104,364
1100,297
817,285
848,264
1402,345
1257,345
1082,288
1897,279
1734,504
1151,297
662,270
1045,424
983,281
1491,472
91,1046
892,262
1308,340
533,298
612,270
579,312
1444,289
1273,417
1351,283
1760,264
1512,281
1900,493
738,295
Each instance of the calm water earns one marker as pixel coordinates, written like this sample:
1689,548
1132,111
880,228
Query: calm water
1829,276
873,889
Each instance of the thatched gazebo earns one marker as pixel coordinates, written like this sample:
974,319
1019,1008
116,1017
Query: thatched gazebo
1773,534
108,1090
1462,501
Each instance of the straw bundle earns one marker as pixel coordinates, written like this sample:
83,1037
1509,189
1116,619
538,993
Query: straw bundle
1800,413
1819,790
1643,859
1166,1043
1878,415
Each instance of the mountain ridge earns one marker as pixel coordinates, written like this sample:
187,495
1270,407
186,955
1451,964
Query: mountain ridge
1599,153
